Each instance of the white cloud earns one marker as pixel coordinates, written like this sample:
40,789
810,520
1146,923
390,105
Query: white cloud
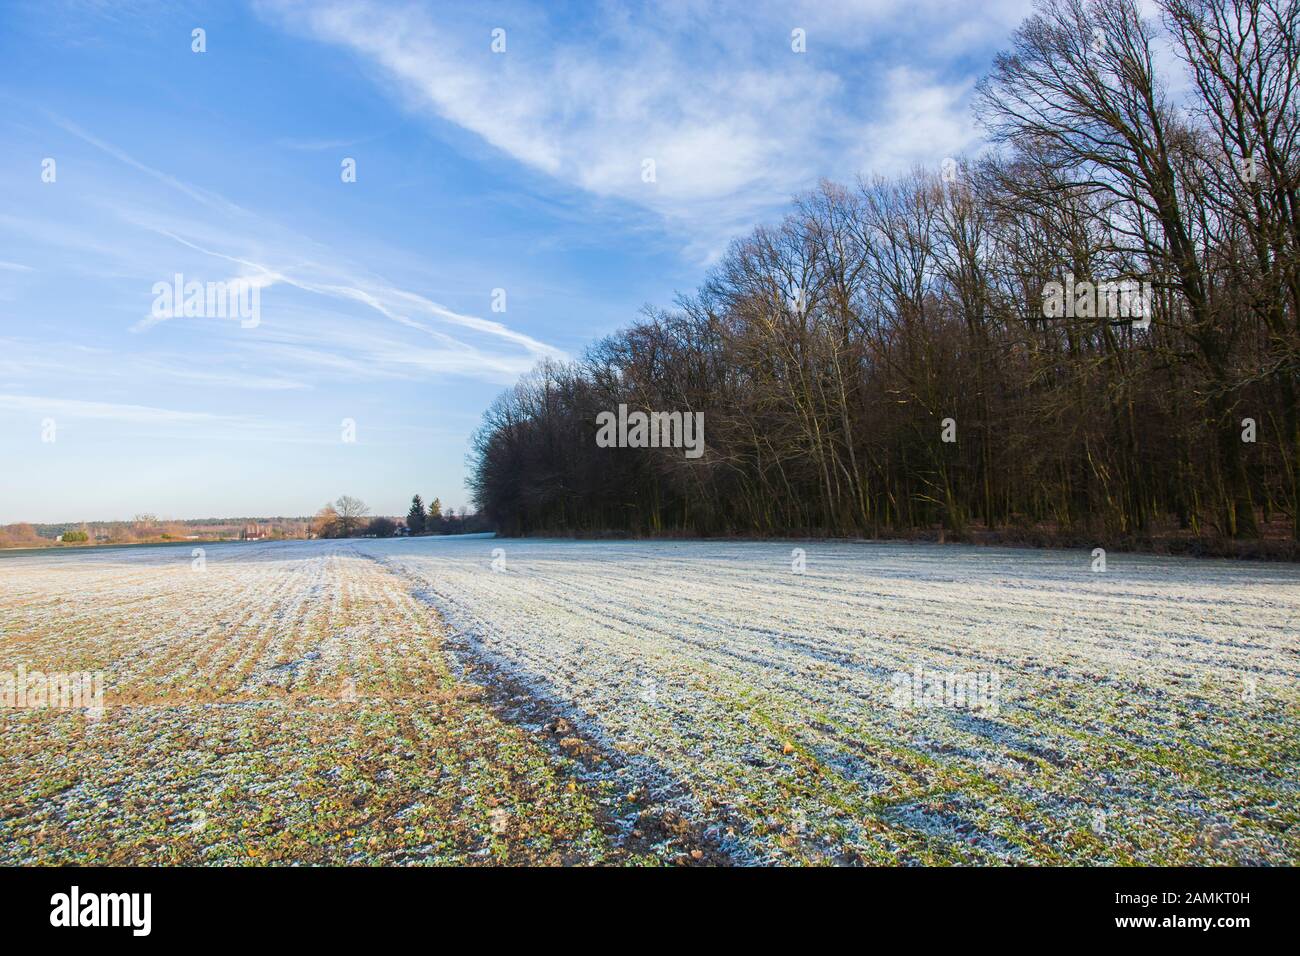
389,301
267,255
733,119
203,196
924,122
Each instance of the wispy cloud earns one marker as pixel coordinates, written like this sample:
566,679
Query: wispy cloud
266,255
203,196
733,119
920,113
389,301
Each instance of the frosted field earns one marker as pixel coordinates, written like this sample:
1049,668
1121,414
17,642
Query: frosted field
402,701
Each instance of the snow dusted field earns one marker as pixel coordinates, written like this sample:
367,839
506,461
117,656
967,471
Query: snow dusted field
288,703
760,700
677,701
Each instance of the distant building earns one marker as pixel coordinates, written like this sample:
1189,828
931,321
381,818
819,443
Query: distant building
254,532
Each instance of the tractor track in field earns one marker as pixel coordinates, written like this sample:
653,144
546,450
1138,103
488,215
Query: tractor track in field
637,823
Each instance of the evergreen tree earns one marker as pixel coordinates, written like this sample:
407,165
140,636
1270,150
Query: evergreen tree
415,517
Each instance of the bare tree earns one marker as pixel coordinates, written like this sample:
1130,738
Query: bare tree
351,511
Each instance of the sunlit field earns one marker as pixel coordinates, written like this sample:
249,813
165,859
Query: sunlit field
477,700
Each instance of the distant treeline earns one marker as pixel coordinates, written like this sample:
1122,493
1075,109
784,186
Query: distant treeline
349,517
146,528
434,520
1095,330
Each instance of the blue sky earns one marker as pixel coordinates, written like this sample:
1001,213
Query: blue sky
475,171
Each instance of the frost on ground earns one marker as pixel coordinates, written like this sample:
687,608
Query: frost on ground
429,700
290,703
1147,714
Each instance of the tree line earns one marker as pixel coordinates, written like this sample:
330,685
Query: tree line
894,355
144,529
435,521
349,517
